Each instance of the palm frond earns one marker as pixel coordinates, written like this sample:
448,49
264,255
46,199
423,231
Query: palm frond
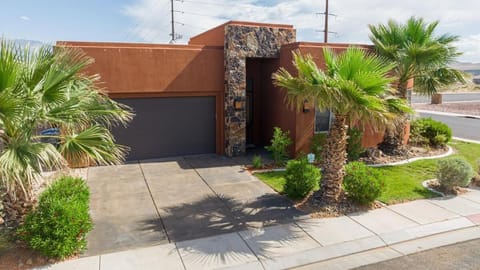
10,69
22,162
417,52
95,143
354,84
46,88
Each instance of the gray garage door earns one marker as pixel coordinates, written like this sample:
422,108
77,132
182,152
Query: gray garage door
165,127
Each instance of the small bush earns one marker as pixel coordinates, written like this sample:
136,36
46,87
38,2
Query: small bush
354,144
58,227
431,132
416,137
301,178
257,162
362,183
279,144
317,143
454,172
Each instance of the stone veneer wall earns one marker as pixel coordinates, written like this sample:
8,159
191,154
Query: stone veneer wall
243,41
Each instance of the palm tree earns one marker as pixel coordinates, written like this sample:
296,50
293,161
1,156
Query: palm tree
418,54
44,89
355,86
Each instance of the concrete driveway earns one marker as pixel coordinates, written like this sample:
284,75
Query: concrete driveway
170,200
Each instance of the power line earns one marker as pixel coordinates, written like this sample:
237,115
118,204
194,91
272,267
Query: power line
200,14
190,25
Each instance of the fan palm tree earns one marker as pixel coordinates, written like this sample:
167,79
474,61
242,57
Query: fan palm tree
355,86
44,89
418,54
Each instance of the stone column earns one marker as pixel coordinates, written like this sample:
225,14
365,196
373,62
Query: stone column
243,41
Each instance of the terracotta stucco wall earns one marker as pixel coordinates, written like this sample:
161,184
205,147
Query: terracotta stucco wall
213,37
275,113
153,70
128,69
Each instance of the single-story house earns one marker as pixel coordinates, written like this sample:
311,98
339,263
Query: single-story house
213,95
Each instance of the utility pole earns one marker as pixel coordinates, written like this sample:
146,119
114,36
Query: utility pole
325,33
173,22
325,30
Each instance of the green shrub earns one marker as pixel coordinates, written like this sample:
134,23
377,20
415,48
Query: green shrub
429,131
362,183
454,172
58,226
416,137
354,144
316,145
440,140
257,162
279,144
301,178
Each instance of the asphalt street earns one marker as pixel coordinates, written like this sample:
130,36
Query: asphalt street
462,127
448,97
465,256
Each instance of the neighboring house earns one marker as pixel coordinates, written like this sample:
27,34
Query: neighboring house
214,95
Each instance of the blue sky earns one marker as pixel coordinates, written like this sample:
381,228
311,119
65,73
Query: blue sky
149,20
52,20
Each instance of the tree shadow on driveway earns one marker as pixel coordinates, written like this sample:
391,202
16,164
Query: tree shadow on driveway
213,215
220,217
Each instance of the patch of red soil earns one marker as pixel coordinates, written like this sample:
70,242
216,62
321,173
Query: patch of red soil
20,258
15,255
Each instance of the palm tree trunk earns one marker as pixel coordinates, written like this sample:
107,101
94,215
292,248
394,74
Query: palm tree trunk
333,161
392,143
17,205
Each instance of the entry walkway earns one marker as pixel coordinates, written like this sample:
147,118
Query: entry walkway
330,243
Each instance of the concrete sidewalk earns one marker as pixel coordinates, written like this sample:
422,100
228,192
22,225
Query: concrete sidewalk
330,243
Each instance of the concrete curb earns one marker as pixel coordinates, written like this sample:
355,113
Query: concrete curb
410,160
466,140
449,114
449,93
373,256
269,170
316,258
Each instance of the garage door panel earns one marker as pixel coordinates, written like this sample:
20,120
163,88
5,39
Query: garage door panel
169,127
